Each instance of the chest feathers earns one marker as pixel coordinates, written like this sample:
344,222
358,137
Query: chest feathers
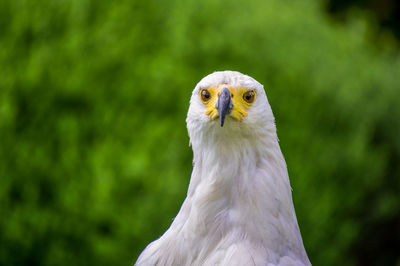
238,210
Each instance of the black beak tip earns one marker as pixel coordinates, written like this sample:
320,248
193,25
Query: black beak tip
222,120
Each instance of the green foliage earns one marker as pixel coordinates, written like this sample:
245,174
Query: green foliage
94,157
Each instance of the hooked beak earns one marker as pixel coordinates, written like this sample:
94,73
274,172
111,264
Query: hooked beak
224,104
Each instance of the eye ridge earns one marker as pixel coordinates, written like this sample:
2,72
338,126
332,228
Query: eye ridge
205,95
249,96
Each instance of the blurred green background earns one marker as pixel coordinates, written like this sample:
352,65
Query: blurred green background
94,155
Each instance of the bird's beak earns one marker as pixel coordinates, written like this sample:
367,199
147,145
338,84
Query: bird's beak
224,104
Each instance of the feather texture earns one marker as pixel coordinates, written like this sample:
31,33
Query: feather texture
238,209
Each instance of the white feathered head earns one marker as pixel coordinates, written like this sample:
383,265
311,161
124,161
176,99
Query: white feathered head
228,104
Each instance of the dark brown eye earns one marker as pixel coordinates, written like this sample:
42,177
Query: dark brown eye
249,96
205,95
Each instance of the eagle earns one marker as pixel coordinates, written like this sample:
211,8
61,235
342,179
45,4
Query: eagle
238,209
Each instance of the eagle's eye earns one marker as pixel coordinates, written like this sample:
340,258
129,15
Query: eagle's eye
249,96
205,95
